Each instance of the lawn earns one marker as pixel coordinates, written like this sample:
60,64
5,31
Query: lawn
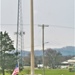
55,72
47,72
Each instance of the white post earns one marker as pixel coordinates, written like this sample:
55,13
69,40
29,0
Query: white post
32,38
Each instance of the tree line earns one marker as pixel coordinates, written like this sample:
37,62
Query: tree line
52,59
8,55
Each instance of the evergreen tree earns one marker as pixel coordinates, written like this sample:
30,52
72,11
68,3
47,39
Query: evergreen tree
7,59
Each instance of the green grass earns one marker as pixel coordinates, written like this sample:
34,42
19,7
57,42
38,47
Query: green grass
55,72
47,72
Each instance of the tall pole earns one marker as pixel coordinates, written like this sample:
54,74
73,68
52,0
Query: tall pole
43,26
32,38
19,33
43,48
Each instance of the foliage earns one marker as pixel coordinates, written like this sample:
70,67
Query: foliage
52,58
6,46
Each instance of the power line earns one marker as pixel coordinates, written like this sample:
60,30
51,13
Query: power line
61,26
58,26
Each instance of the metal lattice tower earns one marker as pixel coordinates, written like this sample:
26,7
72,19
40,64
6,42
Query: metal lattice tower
20,33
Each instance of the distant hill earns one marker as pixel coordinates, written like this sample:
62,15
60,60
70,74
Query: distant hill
25,53
65,51
36,52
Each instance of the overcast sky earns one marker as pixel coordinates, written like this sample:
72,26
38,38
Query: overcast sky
58,14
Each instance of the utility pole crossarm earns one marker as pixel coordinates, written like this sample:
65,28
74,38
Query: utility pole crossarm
43,25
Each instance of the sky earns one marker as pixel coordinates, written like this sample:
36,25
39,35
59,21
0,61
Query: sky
58,14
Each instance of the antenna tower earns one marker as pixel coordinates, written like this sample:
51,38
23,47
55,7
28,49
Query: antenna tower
19,33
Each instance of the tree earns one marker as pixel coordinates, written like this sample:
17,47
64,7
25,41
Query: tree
38,60
52,58
6,46
27,59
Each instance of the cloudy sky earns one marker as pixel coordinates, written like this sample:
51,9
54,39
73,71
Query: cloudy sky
58,14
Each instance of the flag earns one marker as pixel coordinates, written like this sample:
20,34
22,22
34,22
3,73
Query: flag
16,70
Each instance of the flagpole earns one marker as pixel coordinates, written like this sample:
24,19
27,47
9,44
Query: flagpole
32,37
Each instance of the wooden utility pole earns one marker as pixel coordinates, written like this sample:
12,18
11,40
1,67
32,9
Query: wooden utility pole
43,26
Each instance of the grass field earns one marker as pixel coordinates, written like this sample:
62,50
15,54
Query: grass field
47,72
57,72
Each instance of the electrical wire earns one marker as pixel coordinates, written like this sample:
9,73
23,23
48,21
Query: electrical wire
45,24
